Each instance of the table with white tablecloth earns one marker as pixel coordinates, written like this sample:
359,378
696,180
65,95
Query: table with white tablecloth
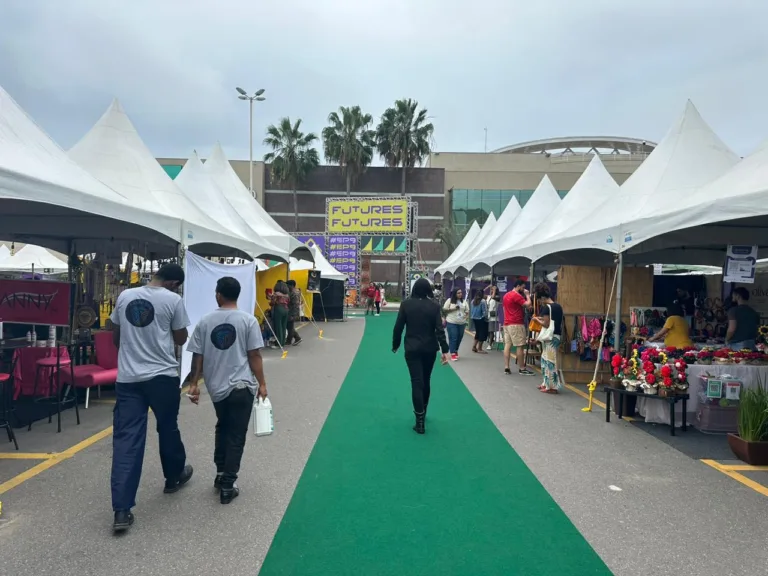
658,412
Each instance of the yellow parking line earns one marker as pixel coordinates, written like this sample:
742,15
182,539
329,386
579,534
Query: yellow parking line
51,462
759,488
743,468
26,455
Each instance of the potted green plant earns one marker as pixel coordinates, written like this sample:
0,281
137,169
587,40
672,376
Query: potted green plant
751,443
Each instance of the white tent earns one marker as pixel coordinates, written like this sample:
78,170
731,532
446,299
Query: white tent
457,268
326,269
463,246
49,200
233,189
732,209
4,252
690,156
203,193
34,256
114,152
594,187
479,253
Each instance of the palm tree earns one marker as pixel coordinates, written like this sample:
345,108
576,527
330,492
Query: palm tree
450,235
293,156
349,142
404,138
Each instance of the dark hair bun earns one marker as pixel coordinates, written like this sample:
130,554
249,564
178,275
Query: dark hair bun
541,290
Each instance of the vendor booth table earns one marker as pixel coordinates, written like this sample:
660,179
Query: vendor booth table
658,412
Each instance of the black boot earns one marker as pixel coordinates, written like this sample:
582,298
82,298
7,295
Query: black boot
419,426
228,493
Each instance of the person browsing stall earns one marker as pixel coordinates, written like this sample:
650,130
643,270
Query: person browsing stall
149,322
515,333
743,322
420,317
456,313
294,314
550,313
676,330
226,353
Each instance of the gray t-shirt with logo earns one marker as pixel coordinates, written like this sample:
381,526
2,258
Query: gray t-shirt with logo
224,337
146,317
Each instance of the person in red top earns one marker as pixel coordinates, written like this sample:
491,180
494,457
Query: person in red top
514,302
377,298
370,296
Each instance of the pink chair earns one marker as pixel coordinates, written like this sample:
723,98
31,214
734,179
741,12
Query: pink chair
102,373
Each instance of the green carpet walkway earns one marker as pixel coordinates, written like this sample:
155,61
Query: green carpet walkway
377,499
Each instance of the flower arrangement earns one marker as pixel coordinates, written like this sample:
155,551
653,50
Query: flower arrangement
618,363
632,370
705,356
762,334
723,356
681,378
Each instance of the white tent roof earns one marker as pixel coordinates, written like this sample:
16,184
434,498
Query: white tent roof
542,203
458,266
203,193
690,156
594,187
114,152
240,198
326,269
732,209
483,249
463,246
4,252
37,256
47,199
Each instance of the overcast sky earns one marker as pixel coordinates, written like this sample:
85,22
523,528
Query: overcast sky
524,69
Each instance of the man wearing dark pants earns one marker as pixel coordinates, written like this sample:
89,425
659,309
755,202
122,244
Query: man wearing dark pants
294,313
225,347
148,322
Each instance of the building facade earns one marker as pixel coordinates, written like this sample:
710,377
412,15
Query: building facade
455,188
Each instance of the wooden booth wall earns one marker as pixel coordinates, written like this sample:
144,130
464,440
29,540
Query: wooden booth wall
586,290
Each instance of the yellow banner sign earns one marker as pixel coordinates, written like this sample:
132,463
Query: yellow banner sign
383,216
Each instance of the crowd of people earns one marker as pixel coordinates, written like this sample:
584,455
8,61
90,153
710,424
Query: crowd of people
149,323
426,323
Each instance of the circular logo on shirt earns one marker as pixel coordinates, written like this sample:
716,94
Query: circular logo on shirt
223,336
140,313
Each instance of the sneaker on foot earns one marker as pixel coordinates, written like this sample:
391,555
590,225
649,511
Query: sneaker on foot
454,357
123,520
526,372
489,347
228,494
297,342
172,486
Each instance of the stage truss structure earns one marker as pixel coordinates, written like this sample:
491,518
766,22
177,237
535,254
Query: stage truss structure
412,225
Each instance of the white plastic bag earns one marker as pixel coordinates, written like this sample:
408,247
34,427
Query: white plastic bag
263,422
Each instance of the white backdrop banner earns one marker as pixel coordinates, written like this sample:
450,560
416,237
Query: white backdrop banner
200,280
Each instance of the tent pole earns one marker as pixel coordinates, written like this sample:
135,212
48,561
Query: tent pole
530,274
619,286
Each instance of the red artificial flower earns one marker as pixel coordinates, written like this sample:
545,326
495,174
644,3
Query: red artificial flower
667,381
650,379
666,371
671,350
616,360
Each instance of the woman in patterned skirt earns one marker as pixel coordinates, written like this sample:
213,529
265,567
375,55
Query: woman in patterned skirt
549,311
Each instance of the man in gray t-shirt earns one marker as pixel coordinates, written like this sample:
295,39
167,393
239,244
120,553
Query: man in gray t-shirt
743,322
148,322
226,353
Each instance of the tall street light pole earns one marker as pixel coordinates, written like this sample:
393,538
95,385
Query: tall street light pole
257,97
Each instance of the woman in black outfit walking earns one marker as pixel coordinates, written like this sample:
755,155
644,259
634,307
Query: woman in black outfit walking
424,335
